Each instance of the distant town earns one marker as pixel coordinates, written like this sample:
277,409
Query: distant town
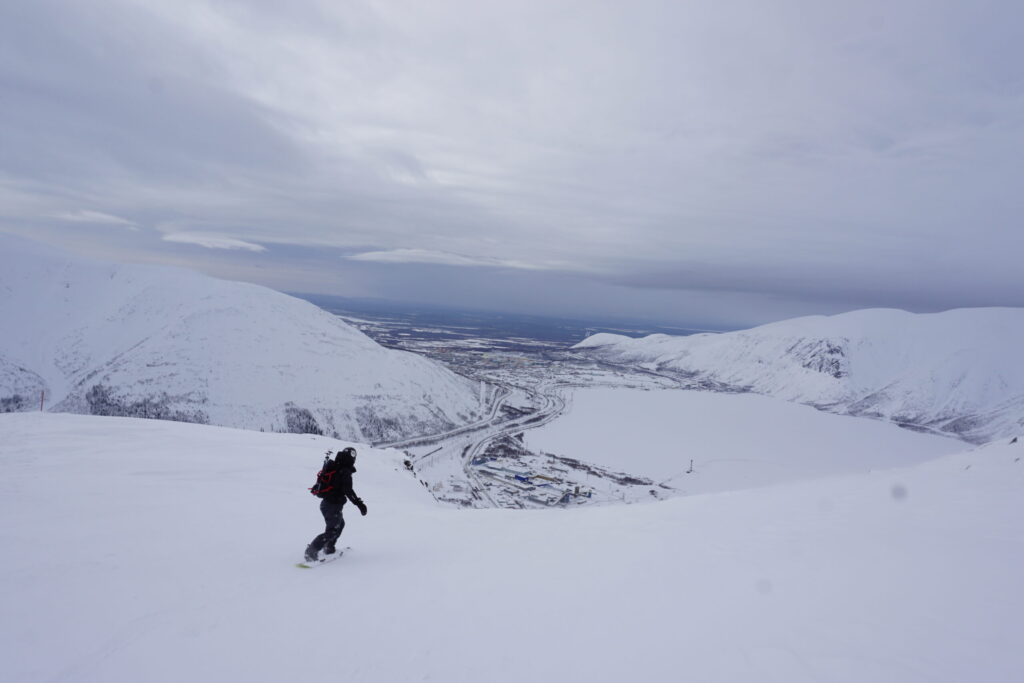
528,367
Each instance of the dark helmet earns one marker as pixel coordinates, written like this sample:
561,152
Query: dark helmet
346,456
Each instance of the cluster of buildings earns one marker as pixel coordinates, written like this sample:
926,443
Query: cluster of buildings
539,489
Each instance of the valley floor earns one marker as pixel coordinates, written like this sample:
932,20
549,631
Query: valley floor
570,429
617,438
703,441
143,550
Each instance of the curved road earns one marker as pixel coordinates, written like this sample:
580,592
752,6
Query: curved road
491,427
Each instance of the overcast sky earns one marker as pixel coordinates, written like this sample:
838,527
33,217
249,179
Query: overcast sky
709,162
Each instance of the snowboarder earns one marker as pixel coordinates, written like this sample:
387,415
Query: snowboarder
339,489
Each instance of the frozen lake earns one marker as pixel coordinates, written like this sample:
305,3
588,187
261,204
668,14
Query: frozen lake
735,440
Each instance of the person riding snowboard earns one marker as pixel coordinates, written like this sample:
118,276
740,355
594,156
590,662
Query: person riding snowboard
334,485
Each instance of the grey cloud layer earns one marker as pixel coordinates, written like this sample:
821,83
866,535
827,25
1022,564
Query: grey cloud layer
830,153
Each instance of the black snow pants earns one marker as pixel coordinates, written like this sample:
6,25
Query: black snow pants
334,523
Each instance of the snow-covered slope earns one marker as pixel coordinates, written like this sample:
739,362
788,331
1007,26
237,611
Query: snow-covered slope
164,342
159,551
958,372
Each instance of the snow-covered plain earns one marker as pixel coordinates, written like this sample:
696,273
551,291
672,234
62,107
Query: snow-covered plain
159,551
165,342
957,372
734,440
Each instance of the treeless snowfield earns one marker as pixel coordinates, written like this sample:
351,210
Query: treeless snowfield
735,440
152,551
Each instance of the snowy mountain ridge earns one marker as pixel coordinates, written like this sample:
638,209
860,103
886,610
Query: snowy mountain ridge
956,372
169,343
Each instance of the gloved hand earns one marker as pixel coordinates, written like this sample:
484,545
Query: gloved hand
362,508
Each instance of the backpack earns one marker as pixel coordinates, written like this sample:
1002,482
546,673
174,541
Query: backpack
323,484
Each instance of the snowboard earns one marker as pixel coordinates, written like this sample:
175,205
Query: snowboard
325,560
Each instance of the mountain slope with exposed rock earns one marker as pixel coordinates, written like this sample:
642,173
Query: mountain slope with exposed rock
167,343
955,372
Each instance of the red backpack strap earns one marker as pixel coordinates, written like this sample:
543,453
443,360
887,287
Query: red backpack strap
323,480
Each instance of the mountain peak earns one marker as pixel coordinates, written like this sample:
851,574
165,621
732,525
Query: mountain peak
169,343
953,372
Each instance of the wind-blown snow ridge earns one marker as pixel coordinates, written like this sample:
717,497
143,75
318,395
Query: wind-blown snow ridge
957,372
168,343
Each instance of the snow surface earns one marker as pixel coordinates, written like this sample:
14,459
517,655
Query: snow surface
957,372
735,440
169,343
162,551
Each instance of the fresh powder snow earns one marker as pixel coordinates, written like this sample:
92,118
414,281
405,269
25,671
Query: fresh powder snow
162,551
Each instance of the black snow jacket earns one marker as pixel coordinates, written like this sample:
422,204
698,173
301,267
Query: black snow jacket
341,482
